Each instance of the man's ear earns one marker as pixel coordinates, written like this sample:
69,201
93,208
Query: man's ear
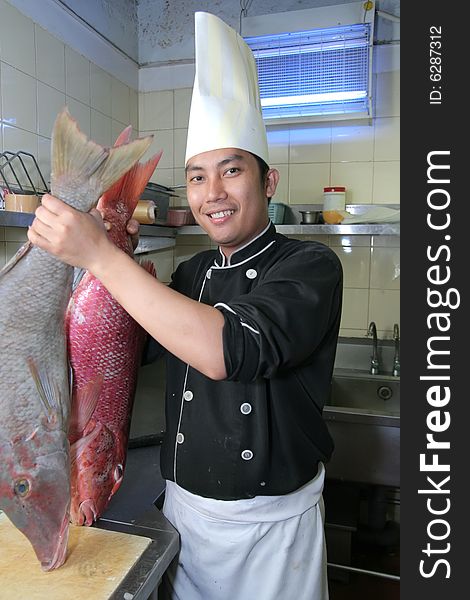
272,179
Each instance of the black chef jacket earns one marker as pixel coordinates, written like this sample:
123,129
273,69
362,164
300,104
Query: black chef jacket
260,431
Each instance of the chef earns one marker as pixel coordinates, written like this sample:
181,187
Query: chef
250,332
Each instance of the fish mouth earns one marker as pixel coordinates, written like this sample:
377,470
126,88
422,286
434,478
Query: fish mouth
59,555
87,512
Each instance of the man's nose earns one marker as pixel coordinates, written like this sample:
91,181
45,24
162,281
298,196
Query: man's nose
216,189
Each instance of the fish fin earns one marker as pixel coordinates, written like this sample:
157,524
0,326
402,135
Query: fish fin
25,248
79,445
149,266
49,394
124,137
131,185
78,274
84,404
76,159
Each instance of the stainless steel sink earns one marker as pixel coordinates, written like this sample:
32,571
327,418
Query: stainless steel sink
356,389
363,417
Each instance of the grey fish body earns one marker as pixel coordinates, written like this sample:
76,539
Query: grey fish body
35,289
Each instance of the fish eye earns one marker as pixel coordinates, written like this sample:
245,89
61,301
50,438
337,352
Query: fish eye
21,487
118,472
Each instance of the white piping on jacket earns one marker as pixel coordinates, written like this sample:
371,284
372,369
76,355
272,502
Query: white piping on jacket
182,396
223,305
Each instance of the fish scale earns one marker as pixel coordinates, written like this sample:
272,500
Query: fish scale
35,289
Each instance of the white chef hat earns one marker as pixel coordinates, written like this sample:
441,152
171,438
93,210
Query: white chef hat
225,106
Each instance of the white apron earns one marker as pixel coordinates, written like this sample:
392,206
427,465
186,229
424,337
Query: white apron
263,548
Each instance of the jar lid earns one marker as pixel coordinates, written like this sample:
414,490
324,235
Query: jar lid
334,189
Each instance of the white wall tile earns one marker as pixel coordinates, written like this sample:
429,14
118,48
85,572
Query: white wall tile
355,308
77,76
120,102
44,160
387,139
180,137
306,182
179,177
50,103
134,109
18,98
81,113
182,103
50,59
156,111
356,266
278,145
386,186
100,90
385,268
101,128
17,39
310,144
384,308
357,178
387,98
352,142
162,176
162,140
17,139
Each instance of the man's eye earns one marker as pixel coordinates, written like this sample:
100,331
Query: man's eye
232,170
196,178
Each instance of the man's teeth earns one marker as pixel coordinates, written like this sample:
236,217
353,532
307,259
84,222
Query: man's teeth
222,213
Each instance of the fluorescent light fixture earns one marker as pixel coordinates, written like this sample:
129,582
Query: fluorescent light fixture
315,72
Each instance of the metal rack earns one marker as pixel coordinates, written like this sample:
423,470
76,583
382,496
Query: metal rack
20,174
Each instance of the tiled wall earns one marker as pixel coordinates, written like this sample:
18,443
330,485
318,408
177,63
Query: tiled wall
39,75
42,74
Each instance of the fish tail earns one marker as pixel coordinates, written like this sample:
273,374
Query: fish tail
80,162
149,266
131,185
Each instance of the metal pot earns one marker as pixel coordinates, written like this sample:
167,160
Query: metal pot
311,217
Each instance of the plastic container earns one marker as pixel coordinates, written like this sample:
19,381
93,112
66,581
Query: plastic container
334,204
276,212
177,217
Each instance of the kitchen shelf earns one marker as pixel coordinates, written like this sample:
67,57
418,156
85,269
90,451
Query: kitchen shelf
156,237
362,229
152,237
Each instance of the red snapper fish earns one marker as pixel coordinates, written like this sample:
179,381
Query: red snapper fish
105,347
35,289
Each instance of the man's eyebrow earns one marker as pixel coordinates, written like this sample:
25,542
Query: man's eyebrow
223,162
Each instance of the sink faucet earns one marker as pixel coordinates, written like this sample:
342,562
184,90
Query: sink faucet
374,359
396,358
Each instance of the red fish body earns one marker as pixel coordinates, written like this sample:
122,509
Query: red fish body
105,346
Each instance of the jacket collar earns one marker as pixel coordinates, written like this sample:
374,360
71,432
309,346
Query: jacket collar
255,246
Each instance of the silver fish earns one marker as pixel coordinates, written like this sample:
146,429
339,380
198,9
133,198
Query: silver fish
35,289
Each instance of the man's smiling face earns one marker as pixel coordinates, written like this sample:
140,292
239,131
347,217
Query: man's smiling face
227,197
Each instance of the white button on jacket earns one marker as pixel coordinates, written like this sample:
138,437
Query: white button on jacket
251,273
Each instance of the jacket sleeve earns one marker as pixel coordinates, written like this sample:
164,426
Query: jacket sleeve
281,322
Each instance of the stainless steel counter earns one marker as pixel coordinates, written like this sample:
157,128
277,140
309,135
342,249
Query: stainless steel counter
132,510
